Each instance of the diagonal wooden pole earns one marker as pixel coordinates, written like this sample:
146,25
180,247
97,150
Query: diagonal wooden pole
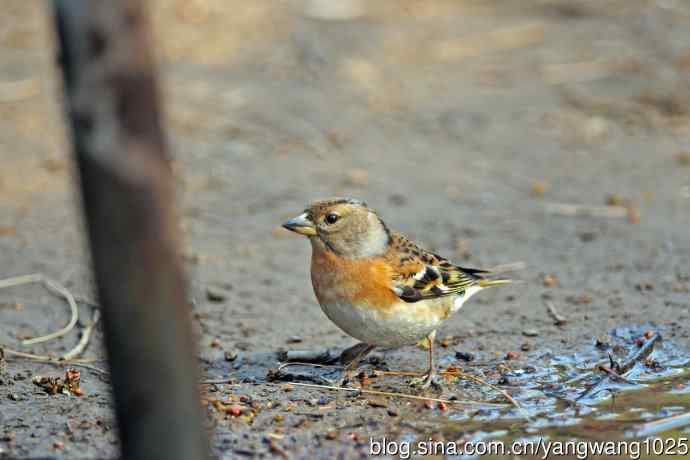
127,190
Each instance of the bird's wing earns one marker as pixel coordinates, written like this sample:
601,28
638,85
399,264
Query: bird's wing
419,274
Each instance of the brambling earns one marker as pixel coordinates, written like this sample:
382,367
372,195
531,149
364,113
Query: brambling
378,286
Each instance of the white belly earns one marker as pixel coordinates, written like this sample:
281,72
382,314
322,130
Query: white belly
404,324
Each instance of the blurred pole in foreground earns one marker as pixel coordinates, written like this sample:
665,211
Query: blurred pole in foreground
127,190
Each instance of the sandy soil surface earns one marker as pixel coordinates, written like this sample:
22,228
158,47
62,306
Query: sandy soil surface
461,122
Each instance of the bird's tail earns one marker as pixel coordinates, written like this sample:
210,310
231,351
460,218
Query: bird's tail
484,283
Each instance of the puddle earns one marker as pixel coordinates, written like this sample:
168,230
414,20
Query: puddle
558,396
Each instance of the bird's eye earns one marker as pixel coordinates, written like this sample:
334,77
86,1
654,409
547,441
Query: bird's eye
332,218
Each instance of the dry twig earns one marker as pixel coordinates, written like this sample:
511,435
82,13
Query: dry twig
45,359
665,424
453,372
85,337
576,210
398,395
557,317
617,370
54,287
69,358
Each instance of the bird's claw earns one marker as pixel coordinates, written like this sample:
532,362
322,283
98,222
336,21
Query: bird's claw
425,381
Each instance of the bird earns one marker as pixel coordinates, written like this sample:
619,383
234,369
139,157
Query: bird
377,285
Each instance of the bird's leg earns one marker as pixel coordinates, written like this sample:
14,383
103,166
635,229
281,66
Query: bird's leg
352,356
427,378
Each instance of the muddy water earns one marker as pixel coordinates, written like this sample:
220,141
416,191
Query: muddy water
567,399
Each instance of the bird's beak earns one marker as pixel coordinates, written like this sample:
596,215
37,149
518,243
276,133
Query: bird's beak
302,225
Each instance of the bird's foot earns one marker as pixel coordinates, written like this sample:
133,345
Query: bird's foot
424,381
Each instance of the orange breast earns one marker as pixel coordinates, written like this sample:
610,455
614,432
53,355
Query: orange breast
364,282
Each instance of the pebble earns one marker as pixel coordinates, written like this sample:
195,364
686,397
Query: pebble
377,403
393,412
397,199
549,281
530,333
230,355
586,237
215,294
464,356
511,355
539,188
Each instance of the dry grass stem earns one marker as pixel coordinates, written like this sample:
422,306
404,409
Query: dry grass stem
54,287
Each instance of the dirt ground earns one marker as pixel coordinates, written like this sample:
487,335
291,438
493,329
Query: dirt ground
461,122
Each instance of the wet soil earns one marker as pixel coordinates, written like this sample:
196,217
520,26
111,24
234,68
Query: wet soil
462,123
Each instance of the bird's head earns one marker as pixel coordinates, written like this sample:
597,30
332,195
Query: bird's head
344,226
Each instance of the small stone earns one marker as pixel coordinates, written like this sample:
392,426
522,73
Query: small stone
215,294
644,286
332,435
525,347
377,403
530,333
397,199
294,339
586,237
648,334
215,343
393,412
512,355
464,356
539,188
230,355
59,445
616,200
13,396
549,281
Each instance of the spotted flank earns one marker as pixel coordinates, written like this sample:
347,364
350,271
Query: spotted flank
423,275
